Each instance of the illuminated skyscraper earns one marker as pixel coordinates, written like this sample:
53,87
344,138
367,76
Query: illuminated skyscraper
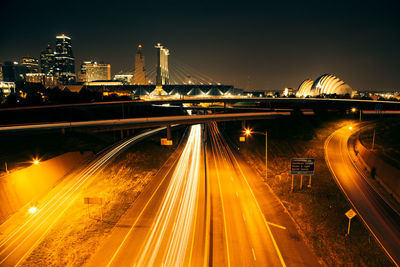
47,62
31,63
64,60
98,72
162,65
139,74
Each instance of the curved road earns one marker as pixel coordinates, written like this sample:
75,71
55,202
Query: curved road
380,219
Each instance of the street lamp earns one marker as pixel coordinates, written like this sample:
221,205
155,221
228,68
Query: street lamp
354,110
248,132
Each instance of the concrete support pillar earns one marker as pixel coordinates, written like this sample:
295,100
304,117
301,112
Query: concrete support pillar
122,134
243,124
169,132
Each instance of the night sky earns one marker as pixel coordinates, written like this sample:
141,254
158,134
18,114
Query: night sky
254,44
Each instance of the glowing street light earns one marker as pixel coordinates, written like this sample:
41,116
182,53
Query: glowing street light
248,132
36,161
32,210
354,110
350,128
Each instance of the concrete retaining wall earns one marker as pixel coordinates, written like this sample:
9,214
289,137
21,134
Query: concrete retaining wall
20,187
386,174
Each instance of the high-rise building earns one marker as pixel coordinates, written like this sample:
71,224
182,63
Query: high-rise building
1,72
47,61
162,65
98,71
64,60
82,75
139,74
31,63
14,72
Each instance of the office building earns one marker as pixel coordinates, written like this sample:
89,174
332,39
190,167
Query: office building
14,72
98,72
64,60
47,61
31,63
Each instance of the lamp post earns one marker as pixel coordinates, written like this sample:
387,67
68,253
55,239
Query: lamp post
248,132
354,110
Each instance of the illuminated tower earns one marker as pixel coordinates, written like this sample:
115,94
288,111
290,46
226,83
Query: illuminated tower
64,60
139,74
162,65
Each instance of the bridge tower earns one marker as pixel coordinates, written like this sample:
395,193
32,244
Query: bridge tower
162,77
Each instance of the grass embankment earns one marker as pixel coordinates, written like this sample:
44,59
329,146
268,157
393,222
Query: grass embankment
77,235
319,210
387,140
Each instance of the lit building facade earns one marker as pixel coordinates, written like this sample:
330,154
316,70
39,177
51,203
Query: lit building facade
1,72
64,60
31,63
139,74
162,76
47,61
98,72
7,87
82,75
124,78
46,80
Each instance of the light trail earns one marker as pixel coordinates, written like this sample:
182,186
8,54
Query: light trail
21,242
167,243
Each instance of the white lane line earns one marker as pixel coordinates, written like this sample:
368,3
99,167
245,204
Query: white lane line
277,225
237,194
254,254
244,219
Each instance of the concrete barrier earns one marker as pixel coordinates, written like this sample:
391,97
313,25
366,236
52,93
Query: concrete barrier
387,175
23,186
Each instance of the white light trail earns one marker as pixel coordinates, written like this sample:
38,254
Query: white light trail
168,240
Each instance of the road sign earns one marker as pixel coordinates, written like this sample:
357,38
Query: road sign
166,142
300,166
351,214
242,139
93,200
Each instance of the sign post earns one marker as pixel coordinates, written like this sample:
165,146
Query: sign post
350,214
94,200
302,166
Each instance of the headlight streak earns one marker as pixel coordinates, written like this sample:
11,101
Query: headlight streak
179,200
57,204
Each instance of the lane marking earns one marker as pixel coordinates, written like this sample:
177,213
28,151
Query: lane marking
262,214
244,219
223,209
237,194
277,225
254,254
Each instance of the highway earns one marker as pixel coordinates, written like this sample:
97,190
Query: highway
23,232
249,226
161,224
380,219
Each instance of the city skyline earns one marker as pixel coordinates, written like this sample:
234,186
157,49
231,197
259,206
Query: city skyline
258,46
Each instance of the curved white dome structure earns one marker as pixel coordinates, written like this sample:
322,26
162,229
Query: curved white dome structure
330,84
324,85
305,88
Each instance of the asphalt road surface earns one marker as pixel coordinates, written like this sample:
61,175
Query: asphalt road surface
381,220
